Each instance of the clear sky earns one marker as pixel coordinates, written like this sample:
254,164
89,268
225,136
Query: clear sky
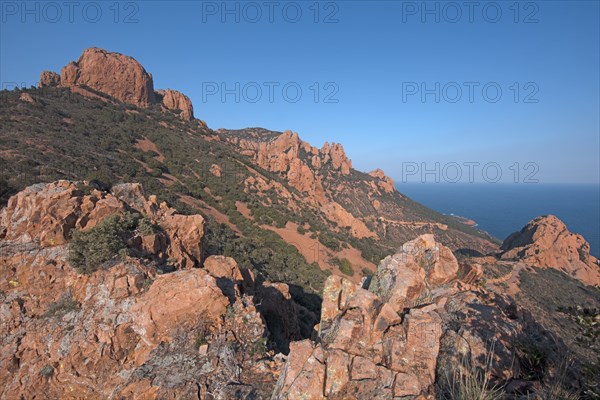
378,67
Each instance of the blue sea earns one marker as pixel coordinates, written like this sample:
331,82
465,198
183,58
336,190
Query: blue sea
501,209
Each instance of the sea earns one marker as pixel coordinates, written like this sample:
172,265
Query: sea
501,209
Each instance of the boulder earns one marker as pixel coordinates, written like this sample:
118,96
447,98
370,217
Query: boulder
365,349
420,266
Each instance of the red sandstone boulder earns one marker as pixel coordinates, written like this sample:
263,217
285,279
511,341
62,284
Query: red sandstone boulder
366,350
412,274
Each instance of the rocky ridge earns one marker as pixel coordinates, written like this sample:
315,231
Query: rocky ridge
118,76
366,206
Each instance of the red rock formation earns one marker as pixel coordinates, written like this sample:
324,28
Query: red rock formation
420,266
216,170
366,350
67,208
283,154
546,242
120,77
49,79
123,331
340,216
338,158
384,182
114,74
176,101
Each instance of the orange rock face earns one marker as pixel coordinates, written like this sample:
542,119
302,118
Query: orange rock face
49,79
65,208
422,263
283,154
546,242
384,182
115,74
174,100
365,350
119,76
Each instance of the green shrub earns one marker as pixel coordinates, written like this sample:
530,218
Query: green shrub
329,241
146,227
345,266
47,371
89,249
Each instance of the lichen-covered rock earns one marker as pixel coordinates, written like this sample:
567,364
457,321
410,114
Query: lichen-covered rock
365,349
124,331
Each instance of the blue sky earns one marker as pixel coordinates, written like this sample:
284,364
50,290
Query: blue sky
374,58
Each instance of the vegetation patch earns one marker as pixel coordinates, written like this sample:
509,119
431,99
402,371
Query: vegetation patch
344,265
90,249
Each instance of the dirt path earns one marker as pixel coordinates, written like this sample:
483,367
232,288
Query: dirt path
511,279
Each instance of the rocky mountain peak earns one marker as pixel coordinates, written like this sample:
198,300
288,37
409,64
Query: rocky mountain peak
118,76
546,242
114,74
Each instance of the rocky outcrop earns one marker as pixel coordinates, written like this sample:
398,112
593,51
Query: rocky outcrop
49,79
335,152
546,242
384,182
377,343
26,97
185,232
301,163
305,168
177,102
216,170
66,208
414,273
340,216
114,74
365,349
119,76
126,330
129,331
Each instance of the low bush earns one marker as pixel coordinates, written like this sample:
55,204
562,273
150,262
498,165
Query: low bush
90,249
345,266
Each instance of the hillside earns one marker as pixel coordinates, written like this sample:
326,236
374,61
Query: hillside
293,213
